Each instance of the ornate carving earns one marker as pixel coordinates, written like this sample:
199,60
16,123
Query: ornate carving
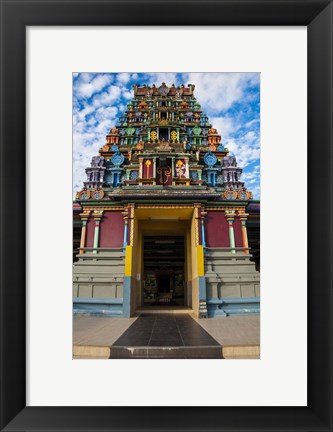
142,133
84,195
117,159
134,175
197,130
229,161
163,90
164,146
178,93
97,161
210,159
230,194
174,135
180,168
153,135
149,92
97,194
164,174
130,131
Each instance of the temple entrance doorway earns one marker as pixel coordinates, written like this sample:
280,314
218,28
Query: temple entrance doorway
164,270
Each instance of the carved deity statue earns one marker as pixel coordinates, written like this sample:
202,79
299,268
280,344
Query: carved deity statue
229,161
178,93
97,161
149,92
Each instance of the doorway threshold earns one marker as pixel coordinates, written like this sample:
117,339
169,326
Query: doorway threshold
164,309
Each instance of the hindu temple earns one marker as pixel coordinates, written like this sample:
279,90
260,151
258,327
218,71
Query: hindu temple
162,218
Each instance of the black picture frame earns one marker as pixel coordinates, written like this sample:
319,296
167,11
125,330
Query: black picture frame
15,17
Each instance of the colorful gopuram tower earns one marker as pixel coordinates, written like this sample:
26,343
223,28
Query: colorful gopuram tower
164,215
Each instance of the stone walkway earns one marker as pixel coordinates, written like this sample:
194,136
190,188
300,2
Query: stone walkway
239,336
93,336
168,335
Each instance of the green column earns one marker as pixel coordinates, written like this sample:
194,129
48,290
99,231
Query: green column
97,216
230,218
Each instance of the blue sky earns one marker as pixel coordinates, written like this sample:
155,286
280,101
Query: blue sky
231,101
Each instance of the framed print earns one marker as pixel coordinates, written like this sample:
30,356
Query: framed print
42,387
229,375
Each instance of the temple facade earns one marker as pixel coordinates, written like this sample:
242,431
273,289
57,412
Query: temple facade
163,215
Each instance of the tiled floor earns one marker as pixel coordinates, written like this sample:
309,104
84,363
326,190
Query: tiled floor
94,337
99,331
165,336
233,330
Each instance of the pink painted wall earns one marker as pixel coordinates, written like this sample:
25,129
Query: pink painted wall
111,230
90,232
216,230
238,232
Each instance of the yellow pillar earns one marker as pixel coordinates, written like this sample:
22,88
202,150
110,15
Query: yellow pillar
201,260
84,218
243,219
128,260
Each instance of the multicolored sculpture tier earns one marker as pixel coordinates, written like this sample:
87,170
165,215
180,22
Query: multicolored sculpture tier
165,141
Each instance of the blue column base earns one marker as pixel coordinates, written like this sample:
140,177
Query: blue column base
233,306
127,296
112,307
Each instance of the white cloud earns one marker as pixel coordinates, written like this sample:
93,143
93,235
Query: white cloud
123,78
253,122
251,175
219,91
109,96
103,127
246,148
215,92
90,125
85,77
127,94
81,115
158,78
87,88
224,125
252,180
106,113
85,146
255,191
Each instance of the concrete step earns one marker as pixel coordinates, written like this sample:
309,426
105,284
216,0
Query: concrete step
171,352
167,335
164,310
